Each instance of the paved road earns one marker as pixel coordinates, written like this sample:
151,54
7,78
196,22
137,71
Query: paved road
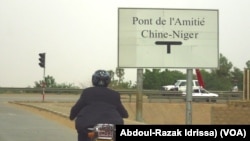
21,125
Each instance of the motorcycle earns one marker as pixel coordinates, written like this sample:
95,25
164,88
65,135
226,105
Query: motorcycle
102,132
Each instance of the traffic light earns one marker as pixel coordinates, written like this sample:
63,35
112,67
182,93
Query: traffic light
42,60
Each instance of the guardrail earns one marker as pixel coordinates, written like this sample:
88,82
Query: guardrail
150,94
223,97
39,90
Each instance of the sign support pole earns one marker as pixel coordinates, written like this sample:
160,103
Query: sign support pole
189,90
139,97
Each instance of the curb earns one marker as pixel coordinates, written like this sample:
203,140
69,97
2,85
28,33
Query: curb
25,103
40,108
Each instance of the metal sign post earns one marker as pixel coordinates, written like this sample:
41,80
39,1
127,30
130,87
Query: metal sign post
189,96
139,97
246,86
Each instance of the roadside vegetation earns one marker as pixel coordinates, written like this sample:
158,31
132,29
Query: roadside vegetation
221,79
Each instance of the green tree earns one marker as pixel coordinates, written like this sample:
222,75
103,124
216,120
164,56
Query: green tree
119,84
120,74
248,64
207,77
51,83
151,79
224,67
156,78
170,77
220,78
214,79
112,74
237,78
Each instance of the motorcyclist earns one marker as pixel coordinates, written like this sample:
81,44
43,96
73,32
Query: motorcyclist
97,104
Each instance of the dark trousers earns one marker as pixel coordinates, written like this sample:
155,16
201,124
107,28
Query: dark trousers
83,135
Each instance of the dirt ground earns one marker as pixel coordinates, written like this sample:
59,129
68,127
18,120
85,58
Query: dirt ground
153,113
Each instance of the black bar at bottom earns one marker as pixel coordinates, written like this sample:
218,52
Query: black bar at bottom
165,132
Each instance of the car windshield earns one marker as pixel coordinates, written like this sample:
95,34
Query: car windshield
176,83
180,83
197,83
204,91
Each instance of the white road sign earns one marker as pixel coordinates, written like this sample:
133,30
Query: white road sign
168,38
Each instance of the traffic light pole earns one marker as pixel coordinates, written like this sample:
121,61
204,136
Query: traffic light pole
42,65
44,84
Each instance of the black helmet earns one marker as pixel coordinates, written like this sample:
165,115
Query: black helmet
101,78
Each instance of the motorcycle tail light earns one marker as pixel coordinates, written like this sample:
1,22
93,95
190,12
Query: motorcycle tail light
91,134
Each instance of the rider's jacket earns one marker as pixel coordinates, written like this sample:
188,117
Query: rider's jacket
98,105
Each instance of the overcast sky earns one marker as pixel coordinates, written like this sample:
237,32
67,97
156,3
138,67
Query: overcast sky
80,36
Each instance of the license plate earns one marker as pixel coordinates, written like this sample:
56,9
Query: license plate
105,131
